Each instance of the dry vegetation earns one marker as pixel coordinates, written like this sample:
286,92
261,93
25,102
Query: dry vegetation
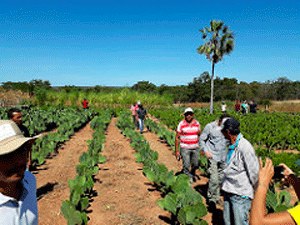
11,97
285,106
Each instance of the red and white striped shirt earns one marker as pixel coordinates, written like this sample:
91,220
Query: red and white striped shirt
189,134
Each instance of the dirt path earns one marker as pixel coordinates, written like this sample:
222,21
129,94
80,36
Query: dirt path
52,177
123,191
167,157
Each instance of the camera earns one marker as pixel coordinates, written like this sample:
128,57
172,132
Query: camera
278,172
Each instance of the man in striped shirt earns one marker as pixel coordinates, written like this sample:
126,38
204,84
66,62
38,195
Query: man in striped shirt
188,132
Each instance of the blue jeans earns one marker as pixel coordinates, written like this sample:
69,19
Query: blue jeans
190,159
141,125
236,209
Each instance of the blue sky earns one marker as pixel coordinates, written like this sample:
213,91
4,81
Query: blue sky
118,43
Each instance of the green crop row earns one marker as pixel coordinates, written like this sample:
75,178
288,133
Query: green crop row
268,130
36,119
81,188
69,120
185,204
162,132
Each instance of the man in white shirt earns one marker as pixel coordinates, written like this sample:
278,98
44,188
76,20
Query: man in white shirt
18,203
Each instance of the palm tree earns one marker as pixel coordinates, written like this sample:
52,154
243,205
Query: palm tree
219,41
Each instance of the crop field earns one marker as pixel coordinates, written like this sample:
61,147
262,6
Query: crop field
93,167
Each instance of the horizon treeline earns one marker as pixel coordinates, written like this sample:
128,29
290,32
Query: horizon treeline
198,90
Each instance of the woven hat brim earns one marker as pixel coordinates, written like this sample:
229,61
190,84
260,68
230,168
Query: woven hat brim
13,144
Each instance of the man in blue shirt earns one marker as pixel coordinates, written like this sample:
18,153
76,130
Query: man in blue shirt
18,203
240,175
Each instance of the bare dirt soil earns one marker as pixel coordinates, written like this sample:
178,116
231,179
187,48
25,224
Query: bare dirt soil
125,196
53,176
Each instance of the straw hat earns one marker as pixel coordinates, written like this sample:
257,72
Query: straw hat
11,138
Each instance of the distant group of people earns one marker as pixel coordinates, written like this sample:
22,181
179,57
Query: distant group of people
139,114
233,169
244,107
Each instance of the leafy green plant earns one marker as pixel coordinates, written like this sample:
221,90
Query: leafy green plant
278,201
75,209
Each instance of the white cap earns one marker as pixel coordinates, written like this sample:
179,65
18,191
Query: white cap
189,109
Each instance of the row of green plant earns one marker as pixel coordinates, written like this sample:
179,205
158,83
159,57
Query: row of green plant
36,119
185,204
268,130
69,120
81,188
162,132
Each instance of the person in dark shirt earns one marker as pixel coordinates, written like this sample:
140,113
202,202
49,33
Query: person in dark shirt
252,106
15,115
141,114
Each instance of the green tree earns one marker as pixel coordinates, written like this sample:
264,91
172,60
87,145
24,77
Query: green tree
144,86
199,88
219,42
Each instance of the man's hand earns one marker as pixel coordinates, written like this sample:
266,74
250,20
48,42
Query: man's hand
265,172
177,155
208,154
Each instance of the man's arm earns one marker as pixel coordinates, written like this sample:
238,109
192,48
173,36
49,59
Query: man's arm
251,163
258,214
204,136
177,153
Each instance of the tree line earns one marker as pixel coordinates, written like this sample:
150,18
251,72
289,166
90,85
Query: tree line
198,90
228,89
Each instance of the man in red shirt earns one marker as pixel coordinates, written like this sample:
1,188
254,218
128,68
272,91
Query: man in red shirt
85,104
187,135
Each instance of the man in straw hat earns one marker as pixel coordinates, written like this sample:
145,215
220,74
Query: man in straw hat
18,203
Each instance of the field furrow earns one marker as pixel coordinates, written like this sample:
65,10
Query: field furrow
124,195
53,176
